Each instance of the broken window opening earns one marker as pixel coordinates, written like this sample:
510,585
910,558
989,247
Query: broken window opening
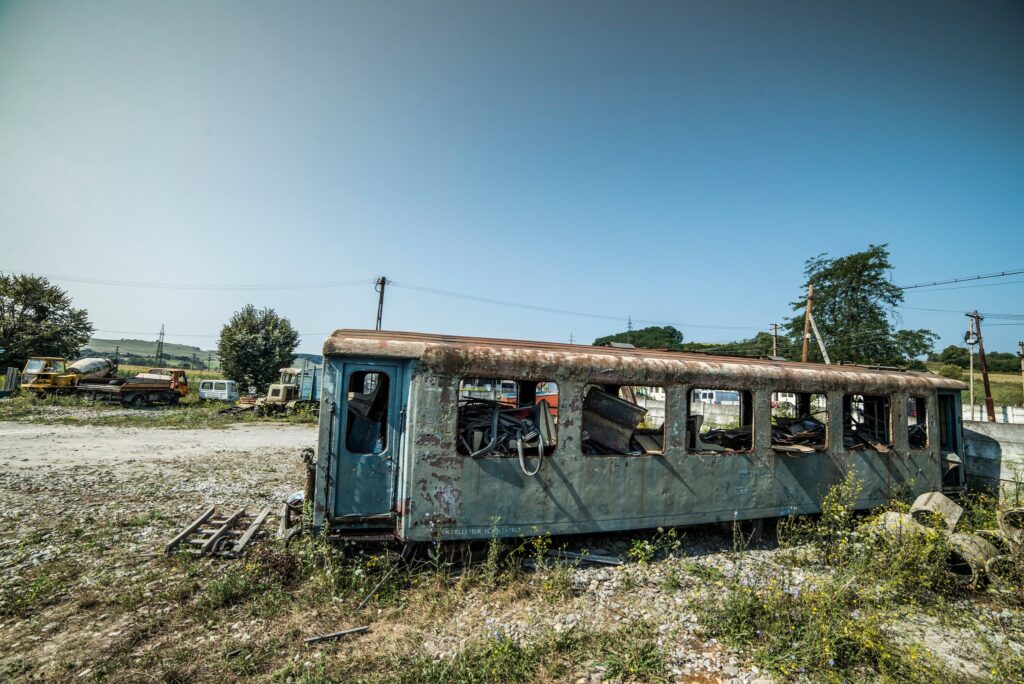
720,420
366,431
917,423
799,422
623,420
867,423
507,418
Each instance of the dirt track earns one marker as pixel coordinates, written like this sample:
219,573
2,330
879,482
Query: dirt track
30,445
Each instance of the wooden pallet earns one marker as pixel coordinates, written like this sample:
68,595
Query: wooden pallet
215,533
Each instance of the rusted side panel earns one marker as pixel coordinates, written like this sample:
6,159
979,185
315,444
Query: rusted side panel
456,497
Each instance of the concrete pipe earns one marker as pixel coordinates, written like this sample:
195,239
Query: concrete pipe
969,555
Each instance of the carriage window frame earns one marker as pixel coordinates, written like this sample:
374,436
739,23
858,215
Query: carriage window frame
531,387
826,443
745,407
646,435
921,407
848,421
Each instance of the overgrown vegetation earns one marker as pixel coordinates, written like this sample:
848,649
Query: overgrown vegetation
834,614
190,412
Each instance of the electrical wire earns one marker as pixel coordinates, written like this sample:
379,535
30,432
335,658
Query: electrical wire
565,312
212,287
967,287
1000,274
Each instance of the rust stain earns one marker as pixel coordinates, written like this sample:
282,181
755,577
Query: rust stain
460,356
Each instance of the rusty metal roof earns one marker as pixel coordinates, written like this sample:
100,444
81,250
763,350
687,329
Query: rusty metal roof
486,357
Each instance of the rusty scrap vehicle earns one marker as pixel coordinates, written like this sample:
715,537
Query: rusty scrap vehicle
96,379
412,449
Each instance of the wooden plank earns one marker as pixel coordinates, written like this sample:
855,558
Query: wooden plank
189,530
219,532
253,528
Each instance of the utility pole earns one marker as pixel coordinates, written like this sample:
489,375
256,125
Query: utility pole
572,340
209,360
990,407
382,282
971,339
821,342
117,357
193,366
775,339
629,330
160,345
807,322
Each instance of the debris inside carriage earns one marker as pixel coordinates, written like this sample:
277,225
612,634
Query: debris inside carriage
611,426
490,427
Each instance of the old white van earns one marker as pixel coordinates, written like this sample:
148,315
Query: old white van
223,390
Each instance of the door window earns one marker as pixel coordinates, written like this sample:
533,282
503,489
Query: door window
366,429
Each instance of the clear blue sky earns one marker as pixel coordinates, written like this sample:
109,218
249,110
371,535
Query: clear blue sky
674,162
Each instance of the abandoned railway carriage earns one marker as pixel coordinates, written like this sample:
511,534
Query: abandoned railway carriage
409,450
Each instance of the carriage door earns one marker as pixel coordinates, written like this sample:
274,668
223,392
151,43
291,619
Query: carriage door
368,444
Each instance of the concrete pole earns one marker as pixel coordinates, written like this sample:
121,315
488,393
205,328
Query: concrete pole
807,322
970,356
775,343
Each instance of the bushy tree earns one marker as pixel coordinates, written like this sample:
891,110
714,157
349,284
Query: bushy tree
254,345
855,309
37,319
951,371
653,337
957,356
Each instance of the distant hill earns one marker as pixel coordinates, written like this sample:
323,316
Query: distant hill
143,351
143,348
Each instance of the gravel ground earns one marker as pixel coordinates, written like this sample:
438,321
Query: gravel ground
92,507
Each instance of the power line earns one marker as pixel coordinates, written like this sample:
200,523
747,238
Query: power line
197,286
958,311
964,279
967,287
564,312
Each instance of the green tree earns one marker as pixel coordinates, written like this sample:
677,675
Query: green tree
951,371
254,345
653,337
758,345
855,309
957,356
37,319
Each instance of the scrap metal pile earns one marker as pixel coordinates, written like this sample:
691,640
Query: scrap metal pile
489,427
804,434
611,425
